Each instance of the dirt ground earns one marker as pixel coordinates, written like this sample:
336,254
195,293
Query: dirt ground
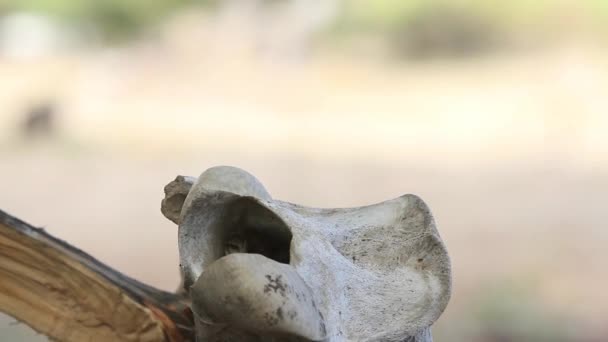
509,152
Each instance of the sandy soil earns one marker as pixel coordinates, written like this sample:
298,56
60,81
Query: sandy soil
510,154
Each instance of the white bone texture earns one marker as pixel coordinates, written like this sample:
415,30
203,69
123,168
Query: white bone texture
259,269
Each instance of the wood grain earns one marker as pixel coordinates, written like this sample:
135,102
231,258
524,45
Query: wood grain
67,295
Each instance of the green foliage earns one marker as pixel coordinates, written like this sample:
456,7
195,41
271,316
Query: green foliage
115,19
385,14
472,24
450,28
422,28
512,311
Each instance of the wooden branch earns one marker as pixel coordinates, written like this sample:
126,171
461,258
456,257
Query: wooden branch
66,294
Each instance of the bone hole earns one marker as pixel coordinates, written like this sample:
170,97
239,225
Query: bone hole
252,228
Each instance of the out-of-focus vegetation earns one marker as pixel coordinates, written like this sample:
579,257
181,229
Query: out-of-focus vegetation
417,28
386,14
420,28
113,20
509,310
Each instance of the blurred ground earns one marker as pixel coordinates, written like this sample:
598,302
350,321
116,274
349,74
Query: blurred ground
508,148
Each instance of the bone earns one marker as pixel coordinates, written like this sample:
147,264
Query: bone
175,195
375,273
226,179
254,293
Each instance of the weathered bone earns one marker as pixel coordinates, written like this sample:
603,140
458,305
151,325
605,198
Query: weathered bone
175,195
229,292
375,273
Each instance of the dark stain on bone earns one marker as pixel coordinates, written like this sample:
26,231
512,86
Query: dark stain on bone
280,313
421,265
244,304
275,285
320,314
301,297
322,328
271,319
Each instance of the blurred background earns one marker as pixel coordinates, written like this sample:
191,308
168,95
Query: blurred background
495,113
